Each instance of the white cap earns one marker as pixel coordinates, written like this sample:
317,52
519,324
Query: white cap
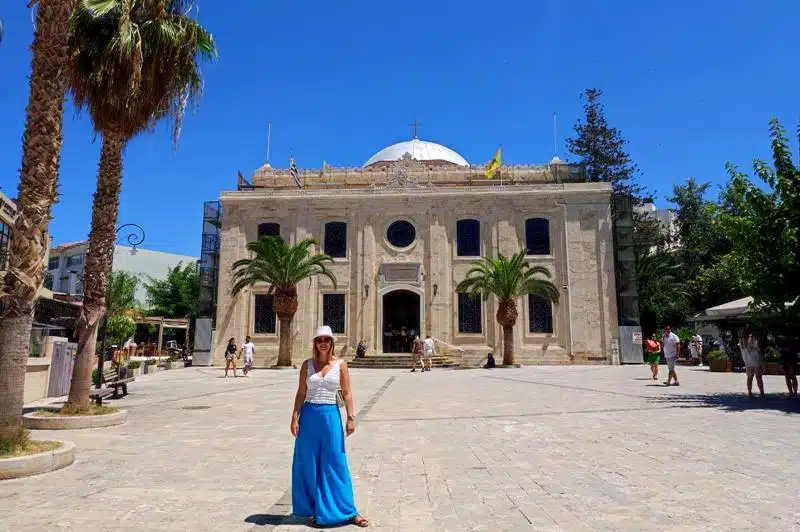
323,331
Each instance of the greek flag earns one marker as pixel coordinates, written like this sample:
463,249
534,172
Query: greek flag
293,172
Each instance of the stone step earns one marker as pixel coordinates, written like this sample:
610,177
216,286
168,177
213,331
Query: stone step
396,362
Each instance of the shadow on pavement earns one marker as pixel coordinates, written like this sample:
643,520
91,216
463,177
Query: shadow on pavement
733,402
274,519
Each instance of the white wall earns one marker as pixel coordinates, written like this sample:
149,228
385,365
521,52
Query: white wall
145,264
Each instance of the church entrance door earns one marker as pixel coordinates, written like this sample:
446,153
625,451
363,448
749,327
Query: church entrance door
401,320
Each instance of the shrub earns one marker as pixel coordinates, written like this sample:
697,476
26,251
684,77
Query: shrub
771,354
175,357
150,362
717,354
13,439
95,377
133,364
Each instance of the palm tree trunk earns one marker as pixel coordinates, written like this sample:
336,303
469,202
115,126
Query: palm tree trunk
41,149
99,259
285,340
508,345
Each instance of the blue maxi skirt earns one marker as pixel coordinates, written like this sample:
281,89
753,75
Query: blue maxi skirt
321,485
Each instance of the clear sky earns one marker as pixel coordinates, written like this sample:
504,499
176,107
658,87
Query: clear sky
691,84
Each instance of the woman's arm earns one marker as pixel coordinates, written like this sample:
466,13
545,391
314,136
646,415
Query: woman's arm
347,392
299,399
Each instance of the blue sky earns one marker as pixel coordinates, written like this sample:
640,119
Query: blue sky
691,84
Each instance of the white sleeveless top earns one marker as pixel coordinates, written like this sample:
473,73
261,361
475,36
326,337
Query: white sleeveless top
322,390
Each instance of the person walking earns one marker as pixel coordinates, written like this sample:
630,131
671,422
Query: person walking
248,349
428,350
789,364
672,346
416,354
322,490
653,349
696,349
230,357
753,361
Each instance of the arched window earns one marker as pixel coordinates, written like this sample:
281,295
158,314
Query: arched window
269,229
468,238
540,315
537,236
335,243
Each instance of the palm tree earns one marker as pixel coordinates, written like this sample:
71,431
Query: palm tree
133,63
41,148
507,280
282,267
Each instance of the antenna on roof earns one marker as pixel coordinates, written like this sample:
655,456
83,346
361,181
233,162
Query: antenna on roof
269,138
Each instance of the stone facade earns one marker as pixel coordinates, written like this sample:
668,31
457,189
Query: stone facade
433,198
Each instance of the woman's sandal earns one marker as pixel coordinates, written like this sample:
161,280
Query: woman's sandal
360,521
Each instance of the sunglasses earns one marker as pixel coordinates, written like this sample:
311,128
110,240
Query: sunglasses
323,340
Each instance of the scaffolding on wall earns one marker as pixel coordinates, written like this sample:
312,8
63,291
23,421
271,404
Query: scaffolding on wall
208,269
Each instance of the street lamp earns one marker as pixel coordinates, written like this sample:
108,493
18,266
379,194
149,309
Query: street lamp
135,237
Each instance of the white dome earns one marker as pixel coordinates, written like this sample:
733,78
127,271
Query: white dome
421,150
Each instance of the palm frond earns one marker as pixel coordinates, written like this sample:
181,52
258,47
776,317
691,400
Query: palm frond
507,279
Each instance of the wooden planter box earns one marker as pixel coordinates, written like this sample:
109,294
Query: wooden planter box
176,365
150,368
721,366
136,372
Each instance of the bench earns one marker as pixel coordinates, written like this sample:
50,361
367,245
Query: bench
113,383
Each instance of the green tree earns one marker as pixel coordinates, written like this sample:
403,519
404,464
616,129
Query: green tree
176,295
507,279
601,148
281,268
133,63
41,150
121,293
698,245
763,227
662,296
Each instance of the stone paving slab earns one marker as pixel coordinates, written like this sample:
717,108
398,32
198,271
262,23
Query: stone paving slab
537,448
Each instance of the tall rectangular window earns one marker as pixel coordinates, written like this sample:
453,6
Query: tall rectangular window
53,263
269,229
264,315
468,238
333,312
5,241
537,236
335,243
469,313
540,315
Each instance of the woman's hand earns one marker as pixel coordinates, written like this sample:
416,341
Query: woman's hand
350,427
294,427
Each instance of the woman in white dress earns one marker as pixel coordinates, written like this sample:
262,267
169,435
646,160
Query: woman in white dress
753,361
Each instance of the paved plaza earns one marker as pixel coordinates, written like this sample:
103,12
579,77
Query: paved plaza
536,448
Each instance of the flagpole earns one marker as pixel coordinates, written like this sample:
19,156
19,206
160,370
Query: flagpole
555,143
269,139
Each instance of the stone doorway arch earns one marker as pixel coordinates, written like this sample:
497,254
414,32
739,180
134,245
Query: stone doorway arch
399,307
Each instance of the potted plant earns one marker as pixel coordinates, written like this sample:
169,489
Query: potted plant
718,361
176,362
150,366
134,368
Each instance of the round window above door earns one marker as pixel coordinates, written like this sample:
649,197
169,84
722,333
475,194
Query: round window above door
401,234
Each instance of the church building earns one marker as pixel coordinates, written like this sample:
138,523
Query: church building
403,230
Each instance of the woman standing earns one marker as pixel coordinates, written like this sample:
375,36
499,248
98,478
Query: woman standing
230,356
753,361
321,486
653,349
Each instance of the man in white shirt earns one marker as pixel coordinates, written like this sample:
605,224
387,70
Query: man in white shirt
248,349
428,350
671,345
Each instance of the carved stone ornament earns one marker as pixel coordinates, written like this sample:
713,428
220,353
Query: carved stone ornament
403,173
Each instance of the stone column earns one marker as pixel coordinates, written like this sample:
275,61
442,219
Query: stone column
368,267
438,322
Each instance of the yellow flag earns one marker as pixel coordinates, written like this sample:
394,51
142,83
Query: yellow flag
495,163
